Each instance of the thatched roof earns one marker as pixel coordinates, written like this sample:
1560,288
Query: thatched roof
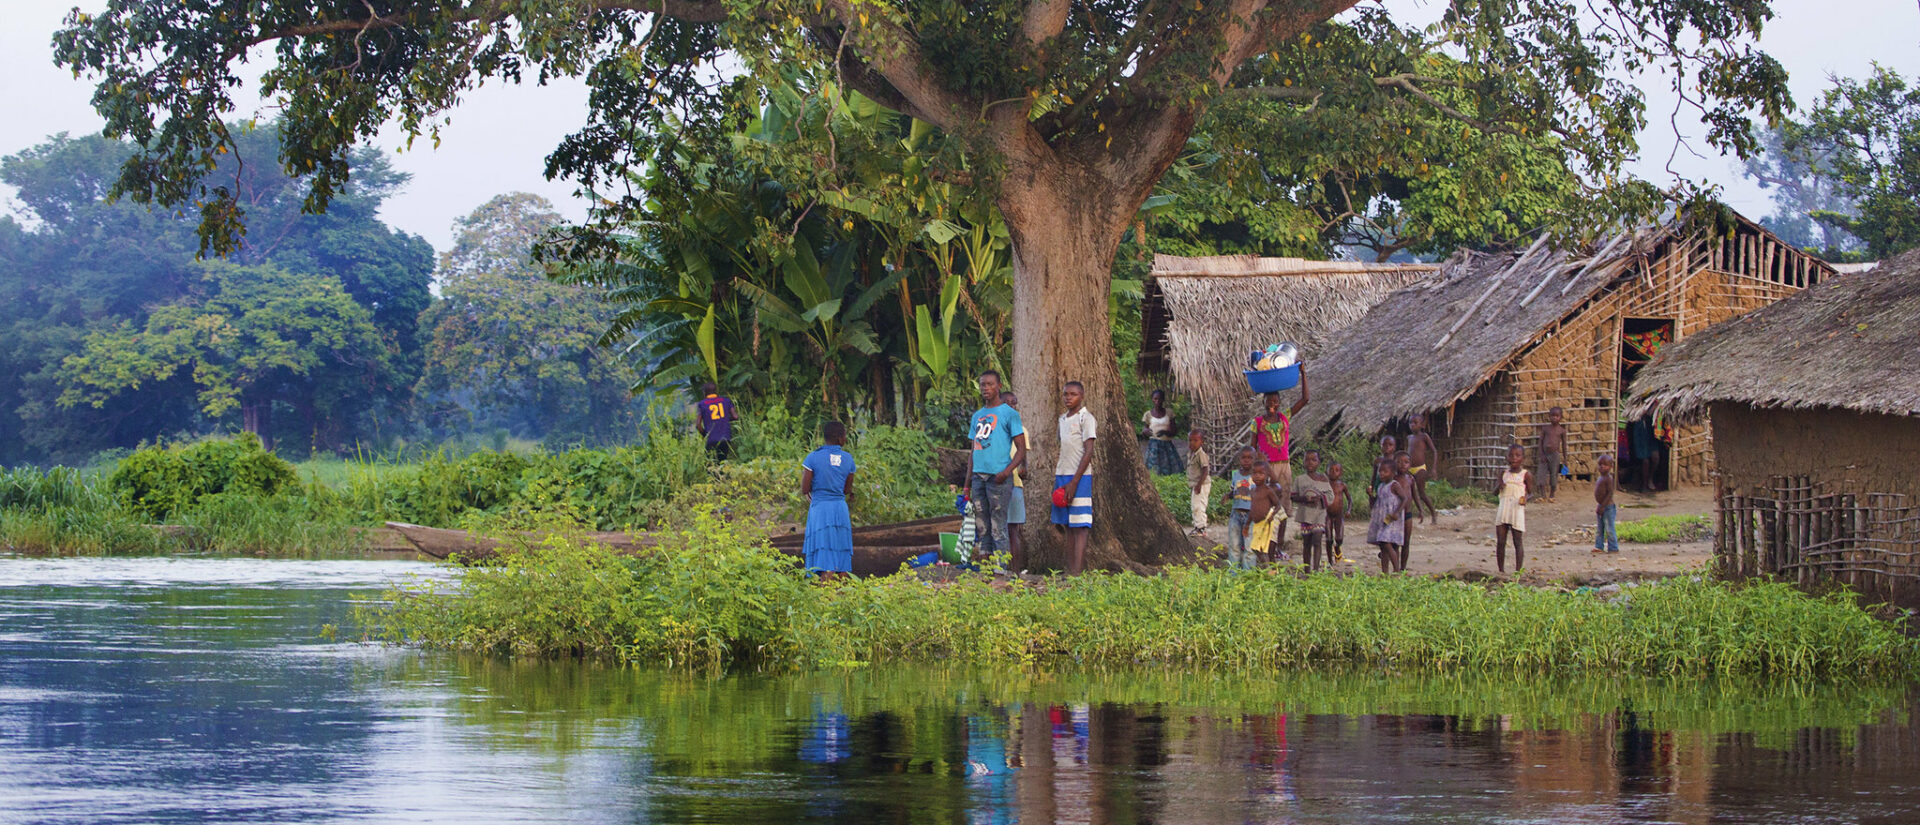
1850,342
1222,307
1433,344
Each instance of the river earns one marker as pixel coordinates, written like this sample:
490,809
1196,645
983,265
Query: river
212,690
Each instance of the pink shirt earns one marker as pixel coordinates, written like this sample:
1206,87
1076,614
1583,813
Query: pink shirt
1271,438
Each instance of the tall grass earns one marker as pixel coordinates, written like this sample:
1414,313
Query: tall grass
710,596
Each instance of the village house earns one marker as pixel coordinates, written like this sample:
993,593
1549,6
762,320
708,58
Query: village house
1200,317
1814,407
1493,341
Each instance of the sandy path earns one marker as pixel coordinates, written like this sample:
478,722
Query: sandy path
1559,541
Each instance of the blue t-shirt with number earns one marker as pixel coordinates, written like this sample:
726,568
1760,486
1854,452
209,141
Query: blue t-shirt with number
717,412
992,432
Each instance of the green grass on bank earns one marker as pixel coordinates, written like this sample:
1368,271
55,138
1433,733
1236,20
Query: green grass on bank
709,596
1664,529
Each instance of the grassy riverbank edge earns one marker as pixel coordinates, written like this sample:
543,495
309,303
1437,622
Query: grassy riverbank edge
712,597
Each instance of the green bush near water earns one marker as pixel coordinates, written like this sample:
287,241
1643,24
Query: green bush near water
711,596
233,496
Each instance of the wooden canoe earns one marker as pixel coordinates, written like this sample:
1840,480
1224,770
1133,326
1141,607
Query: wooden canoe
877,551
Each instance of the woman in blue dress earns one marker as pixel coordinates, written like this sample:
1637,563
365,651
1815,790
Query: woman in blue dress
826,479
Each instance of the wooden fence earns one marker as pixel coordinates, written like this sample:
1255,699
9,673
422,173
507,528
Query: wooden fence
1804,533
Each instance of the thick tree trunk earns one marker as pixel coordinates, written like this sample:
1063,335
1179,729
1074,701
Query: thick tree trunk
1065,231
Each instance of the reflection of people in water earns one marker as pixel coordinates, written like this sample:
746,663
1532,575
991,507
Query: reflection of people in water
1270,753
990,773
826,741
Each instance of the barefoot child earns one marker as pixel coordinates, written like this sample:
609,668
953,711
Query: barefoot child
1269,510
1156,426
1199,478
1312,494
1384,528
1240,519
1426,463
1337,507
1606,536
826,479
1073,476
1512,519
1552,447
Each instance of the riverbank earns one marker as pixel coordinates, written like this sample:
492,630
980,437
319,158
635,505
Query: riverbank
710,596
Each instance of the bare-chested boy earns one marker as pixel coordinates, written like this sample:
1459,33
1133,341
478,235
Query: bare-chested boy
1426,464
1337,508
1550,452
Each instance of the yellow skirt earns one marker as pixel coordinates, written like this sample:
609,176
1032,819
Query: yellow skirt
1260,535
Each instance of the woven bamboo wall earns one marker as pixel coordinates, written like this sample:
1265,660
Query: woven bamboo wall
1575,364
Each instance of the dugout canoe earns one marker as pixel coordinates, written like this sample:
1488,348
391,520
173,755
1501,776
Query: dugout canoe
877,550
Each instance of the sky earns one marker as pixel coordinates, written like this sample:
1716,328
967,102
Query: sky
500,134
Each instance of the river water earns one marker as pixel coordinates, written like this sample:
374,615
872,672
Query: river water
209,690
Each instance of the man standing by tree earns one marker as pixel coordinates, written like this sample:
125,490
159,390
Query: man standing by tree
999,448
715,421
1072,475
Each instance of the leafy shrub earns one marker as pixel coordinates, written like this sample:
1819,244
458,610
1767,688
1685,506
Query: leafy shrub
707,595
160,482
898,479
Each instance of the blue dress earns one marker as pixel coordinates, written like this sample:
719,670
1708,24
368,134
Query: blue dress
828,546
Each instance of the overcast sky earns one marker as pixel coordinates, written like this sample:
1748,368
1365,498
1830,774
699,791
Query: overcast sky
500,134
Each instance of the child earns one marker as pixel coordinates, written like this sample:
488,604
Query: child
1388,446
1199,478
1385,526
1512,520
1312,495
826,479
1553,445
1271,429
1606,537
1240,519
1269,510
1073,476
1403,478
1426,463
1016,505
1156,426
1337,506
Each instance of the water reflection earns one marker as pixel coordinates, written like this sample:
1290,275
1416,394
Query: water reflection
202,693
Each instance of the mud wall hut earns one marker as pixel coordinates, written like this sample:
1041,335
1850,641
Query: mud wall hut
1495,341
1814,406
1201,316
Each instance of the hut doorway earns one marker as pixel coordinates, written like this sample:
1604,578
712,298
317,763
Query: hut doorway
1645,449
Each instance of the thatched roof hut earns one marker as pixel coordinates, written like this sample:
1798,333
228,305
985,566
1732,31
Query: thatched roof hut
1497,339
1200,316
1851,343
1814,408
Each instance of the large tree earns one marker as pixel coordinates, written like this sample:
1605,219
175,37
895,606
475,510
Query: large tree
1080,106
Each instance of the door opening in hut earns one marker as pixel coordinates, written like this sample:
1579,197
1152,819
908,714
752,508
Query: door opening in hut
1645,444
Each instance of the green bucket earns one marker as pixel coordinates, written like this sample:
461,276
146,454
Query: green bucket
950,548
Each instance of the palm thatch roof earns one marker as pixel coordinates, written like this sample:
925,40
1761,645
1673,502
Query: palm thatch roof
1217,309
1433,344
1850,342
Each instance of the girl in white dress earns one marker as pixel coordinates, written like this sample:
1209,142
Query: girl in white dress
1512,520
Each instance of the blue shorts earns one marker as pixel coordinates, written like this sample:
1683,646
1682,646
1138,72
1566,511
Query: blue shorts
1079,509
1017,506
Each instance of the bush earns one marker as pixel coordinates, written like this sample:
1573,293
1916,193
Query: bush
160,482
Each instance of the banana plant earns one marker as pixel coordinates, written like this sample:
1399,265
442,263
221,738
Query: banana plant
826,305
936,343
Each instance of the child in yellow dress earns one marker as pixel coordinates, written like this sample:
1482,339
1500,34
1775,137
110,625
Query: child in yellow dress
1268,513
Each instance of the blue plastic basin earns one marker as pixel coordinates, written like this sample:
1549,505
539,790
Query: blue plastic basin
1284,378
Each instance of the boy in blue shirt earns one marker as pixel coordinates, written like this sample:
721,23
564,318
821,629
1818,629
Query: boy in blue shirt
715,421
999,448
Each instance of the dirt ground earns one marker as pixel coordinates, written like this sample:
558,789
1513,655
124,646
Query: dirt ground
1559,539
